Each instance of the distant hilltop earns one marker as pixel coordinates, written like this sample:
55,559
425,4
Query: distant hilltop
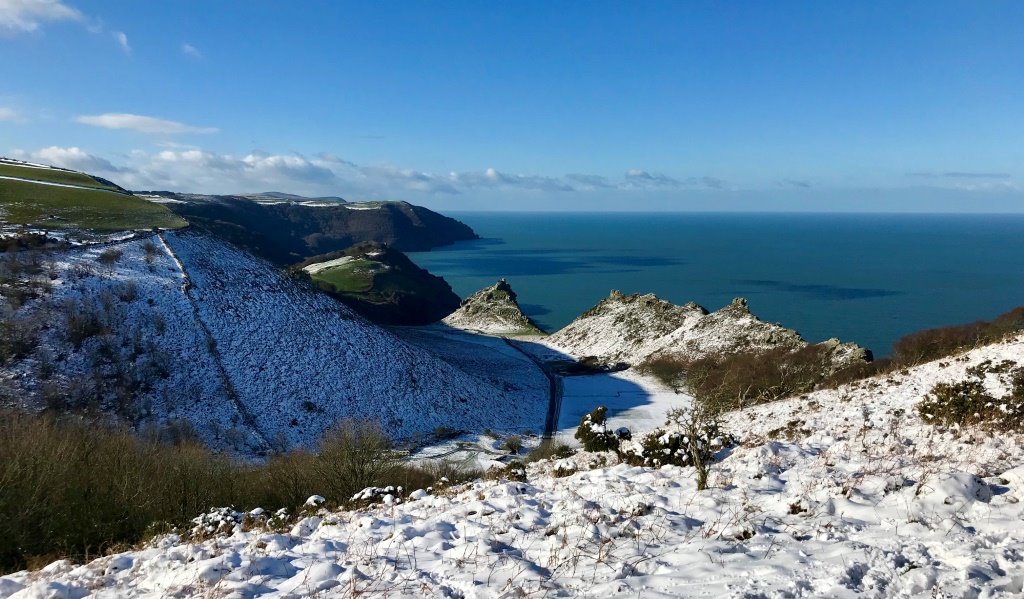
287,228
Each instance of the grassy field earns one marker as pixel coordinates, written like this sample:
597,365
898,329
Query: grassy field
51,207
51,175
355,276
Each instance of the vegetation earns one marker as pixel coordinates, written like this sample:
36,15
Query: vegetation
692,438
593,433
549,449
51,207
78,487
734,381
383,285
968,403
932,344
53,175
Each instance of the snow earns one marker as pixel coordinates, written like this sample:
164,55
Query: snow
55,184
250,349
839,493
631,328
315,268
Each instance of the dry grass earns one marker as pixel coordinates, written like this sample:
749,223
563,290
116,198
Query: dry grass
78,487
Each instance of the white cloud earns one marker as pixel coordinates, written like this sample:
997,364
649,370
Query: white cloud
9,115
492,178
73,158
191,51
122,40
144,124
191,169
641,178
23,16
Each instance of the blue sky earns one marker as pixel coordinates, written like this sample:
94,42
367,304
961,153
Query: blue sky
912,106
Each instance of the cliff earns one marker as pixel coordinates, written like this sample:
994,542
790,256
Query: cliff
493,310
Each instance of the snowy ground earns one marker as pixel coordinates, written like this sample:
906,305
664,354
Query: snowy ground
840,493
249,349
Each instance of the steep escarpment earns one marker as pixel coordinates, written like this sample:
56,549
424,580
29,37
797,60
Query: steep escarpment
383,285
632,328
289,231
493,310
190,334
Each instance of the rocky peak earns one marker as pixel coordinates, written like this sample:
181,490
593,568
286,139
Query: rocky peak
631,328
738,305
493,310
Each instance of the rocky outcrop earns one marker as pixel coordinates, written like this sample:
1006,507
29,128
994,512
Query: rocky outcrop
632,328
493,310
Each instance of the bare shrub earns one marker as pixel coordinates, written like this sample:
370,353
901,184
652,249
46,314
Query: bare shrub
82,321
355,455
19,336
513,444
76,487
932,344
549,449
734,381
109,257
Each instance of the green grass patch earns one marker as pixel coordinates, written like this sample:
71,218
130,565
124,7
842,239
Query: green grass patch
51,207
52,176
355,276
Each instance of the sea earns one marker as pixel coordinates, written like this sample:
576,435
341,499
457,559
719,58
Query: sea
867,278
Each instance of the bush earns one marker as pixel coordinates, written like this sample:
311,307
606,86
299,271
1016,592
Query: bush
18,338
353,456
932,344
967,403
109,257
549,449
74,487
593,432
735,381
513,444
513,471
693,437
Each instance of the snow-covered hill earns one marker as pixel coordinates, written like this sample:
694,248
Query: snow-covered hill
249,357
493,310
631,328
840,493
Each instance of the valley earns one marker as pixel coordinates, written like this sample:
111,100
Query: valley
452,447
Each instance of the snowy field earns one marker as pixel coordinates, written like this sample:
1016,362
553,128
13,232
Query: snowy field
839,493
249,349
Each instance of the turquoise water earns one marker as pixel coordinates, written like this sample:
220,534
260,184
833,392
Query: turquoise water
864,278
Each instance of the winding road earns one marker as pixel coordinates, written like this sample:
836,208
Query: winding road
554,389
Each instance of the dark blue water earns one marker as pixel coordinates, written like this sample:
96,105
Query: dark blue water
864,278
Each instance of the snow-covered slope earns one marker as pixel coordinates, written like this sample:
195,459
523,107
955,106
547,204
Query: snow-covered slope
630,328
248,349
493,310
841,493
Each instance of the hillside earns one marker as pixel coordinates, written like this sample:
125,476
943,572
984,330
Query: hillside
41,197
632,328
383,285
187,332
841,493
493,310
289,231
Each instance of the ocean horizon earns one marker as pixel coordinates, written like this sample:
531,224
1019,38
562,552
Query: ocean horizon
864,277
